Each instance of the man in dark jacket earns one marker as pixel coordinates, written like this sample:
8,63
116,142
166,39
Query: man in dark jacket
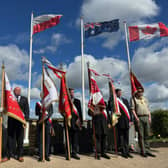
76,123
16,128
123,126
48,129
99,131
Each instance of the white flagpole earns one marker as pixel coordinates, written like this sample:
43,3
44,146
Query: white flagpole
30,58
82,71
127,46
26,137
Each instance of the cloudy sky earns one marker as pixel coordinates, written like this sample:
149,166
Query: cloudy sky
61,44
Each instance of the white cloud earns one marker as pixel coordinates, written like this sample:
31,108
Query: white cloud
57,40
35,92
130,10
150,63
16,61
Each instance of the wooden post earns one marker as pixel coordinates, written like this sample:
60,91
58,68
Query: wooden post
43,127
67,140
2,106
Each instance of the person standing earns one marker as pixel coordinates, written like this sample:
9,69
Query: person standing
48,129
140,109
99,131
16,128
76,123
123,124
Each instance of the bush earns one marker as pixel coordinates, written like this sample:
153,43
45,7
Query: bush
160,122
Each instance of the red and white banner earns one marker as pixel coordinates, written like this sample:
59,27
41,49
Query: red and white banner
43,22
96,98
11,105
147,31
50,93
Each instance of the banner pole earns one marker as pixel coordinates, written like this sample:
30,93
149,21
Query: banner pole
2,107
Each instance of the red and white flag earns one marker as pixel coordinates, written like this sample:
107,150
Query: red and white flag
96,98
11,105
43,22
147,31
49,90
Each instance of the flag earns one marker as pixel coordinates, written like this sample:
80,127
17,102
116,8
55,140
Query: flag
42,22
11,105
135,84
65,106
49,90
147,31
96,98
93,29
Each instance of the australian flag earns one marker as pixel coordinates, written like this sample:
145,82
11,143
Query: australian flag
93,29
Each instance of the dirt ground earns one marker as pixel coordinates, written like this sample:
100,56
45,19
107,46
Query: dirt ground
161,161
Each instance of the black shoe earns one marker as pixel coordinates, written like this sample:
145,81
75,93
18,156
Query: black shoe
104,155
124,155
75,156
130,156
150,154
47,159
40,160
144,155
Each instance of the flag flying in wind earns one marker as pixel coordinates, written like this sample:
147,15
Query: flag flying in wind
93,29
49,90
147,31
42,22
65,104
11,105
96,98
135,84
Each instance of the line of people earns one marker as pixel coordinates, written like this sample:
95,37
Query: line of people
13,130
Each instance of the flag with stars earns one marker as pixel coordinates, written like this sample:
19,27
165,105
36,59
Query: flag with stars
93,29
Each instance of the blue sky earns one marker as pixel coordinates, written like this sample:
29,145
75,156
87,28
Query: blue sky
61,44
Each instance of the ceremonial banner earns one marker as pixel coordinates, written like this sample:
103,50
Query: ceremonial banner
135,84
96,98
11,105
93,29
40,23
147,31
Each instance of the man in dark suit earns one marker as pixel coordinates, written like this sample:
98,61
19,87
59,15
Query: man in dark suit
100,132
123,127
48,129
76,123
16,128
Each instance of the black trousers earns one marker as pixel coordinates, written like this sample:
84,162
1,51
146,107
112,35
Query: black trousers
100,143
74,141
123,138
47,139
15,137
4,141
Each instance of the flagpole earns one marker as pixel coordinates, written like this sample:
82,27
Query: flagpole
30,57
43,123
129,69
127,46
2,107
83,71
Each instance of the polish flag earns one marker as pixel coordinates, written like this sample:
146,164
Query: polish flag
147,31
11,105
43,22
96,97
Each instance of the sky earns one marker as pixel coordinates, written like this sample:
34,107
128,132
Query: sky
62,45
